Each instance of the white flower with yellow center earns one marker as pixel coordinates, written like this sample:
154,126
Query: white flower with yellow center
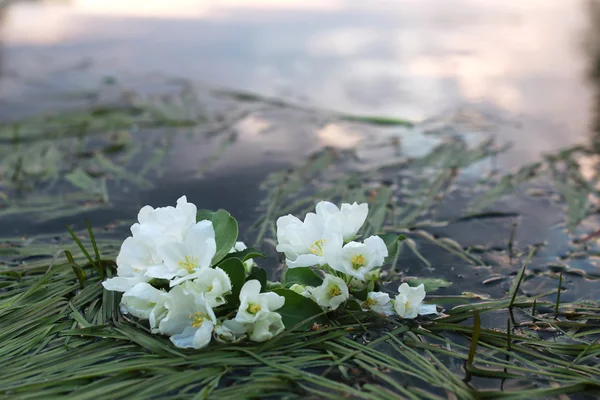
358,259
308,243
213,284
267,327
351,216
166,222
186,317
183,259
140,300
408,301
332,292
378,302
255,305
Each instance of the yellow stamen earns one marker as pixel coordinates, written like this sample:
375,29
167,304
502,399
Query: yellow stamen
334,290
407,305
358,261
253,308
197,319
317,247
370,302
189,264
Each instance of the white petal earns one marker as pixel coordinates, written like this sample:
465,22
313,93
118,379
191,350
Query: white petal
141,299
304,260
160,272
240,246
173,253
377,251
185,339
120,284
203,335
267,328
404,289
354,217
273,301
144,214
189,210
326,209
251,289
427,309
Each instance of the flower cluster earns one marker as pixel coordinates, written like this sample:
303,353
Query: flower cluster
184,271
326,242
170,274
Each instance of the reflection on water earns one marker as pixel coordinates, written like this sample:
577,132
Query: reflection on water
407,58
592,48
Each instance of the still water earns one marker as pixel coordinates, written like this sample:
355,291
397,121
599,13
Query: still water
521,64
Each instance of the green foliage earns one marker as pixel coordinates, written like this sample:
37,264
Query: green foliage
298,309
260,275
245,255
235,269
301,276
392,241
431,284
226,233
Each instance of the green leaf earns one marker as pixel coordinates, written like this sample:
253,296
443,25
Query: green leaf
79,273
260,275
245,255
160,283
302,276
361,294
298,308
431,284
202,215
226,232
392,241
235,269
353,305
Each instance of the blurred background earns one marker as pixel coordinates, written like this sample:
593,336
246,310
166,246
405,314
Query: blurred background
533,62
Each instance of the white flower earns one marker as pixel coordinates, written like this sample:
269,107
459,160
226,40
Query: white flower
184,258
136,256
214,284
378,302
409,300
357,259
189,320
332,292
308,243
230,331
140,300
301,289
352,216
255,305
166,222
266,328
248,264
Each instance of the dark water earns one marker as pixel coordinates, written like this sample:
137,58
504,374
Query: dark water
521,72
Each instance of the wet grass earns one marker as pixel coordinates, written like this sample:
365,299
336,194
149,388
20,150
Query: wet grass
63,335
60,339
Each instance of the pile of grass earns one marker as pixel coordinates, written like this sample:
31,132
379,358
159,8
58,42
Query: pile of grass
59,337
